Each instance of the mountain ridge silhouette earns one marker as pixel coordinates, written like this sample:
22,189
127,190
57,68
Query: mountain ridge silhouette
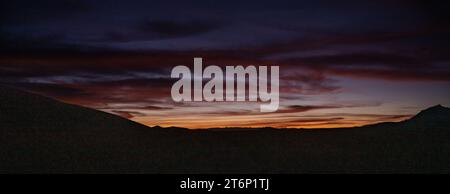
42,135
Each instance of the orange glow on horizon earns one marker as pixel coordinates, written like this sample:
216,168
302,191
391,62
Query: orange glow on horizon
211,123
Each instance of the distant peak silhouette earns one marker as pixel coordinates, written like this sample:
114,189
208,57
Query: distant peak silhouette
434,117
437,107
434,110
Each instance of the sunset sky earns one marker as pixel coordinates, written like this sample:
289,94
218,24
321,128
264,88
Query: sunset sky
342,63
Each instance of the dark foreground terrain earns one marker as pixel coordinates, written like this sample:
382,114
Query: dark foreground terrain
42,135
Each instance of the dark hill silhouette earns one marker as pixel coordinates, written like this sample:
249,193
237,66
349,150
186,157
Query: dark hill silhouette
42,135
434,117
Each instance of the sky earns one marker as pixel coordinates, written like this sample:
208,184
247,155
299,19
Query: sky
342,63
